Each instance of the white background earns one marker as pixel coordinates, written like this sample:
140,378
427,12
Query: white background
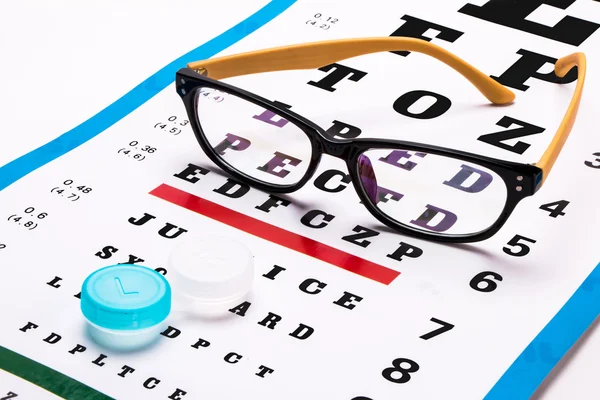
64,62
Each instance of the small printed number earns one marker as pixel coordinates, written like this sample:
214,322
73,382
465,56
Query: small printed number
207,93
30,225
133,146
555,208
322,21
399,373
149,149
9,395
68,187
484,277
329,19
523,248
29,210
595,163
40,215
173,118
444,328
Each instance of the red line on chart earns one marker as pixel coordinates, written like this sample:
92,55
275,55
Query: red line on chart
276,235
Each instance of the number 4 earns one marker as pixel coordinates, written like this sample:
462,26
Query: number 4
559,207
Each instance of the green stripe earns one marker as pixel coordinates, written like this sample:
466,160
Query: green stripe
47,378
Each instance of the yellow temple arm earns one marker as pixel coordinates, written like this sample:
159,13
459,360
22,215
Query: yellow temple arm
561,68
318,54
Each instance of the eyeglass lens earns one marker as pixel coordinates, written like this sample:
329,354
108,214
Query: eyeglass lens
432,193
252,140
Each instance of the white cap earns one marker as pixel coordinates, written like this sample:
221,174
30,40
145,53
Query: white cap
210,273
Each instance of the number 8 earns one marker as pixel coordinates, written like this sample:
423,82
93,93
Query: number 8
397,367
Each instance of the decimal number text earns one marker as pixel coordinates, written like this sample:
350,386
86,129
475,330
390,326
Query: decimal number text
29,220
172,125
321,21
137,151
71,191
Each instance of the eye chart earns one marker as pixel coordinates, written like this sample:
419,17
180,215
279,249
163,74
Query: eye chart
341,307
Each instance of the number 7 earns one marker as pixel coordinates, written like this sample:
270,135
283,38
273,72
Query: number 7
9,395
445,328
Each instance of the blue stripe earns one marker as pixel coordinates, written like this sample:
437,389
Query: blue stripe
535,362
143,92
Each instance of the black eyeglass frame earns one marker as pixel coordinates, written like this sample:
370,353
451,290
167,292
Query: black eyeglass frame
521,180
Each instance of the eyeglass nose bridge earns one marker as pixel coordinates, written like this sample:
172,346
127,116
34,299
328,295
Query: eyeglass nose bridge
336,148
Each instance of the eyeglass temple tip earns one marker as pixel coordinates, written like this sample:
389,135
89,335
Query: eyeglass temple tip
564,64
503,97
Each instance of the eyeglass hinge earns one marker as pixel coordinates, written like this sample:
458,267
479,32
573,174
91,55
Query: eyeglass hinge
537,178
201,71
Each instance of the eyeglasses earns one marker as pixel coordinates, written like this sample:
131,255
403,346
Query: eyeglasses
423,191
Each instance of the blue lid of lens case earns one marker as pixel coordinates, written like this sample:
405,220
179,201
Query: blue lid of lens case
125,297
